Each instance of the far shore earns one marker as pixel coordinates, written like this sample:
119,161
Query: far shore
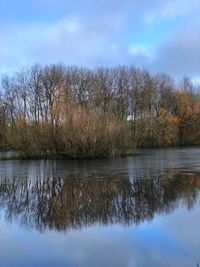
12,155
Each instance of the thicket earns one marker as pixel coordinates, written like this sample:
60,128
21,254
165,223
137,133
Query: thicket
57,111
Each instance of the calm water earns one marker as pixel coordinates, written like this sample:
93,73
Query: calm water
134,211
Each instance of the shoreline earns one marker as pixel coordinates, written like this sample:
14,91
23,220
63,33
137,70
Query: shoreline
135,152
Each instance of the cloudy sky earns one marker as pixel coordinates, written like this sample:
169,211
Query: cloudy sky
155,34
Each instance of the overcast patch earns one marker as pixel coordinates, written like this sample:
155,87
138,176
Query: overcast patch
103,33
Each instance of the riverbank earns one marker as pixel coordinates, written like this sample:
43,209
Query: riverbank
70,112
12,155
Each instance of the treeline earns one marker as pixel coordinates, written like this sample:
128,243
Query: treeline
76,112
64,204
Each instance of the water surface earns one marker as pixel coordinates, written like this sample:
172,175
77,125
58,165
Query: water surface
134,211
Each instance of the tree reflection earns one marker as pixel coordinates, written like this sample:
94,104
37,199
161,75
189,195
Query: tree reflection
63,204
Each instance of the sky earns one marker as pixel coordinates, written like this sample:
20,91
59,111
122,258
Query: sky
161,36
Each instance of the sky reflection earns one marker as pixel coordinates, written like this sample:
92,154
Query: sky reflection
170,240
51,216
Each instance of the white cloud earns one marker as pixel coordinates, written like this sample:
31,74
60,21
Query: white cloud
172,9
146,51
105,33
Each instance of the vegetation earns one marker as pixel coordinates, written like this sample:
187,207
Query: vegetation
57,111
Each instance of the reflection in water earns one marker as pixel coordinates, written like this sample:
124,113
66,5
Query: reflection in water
63,204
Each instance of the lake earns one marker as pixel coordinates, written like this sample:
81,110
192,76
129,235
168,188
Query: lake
138,211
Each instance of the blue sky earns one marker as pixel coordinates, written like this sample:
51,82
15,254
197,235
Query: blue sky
163,36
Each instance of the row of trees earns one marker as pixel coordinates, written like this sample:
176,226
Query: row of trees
76,112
